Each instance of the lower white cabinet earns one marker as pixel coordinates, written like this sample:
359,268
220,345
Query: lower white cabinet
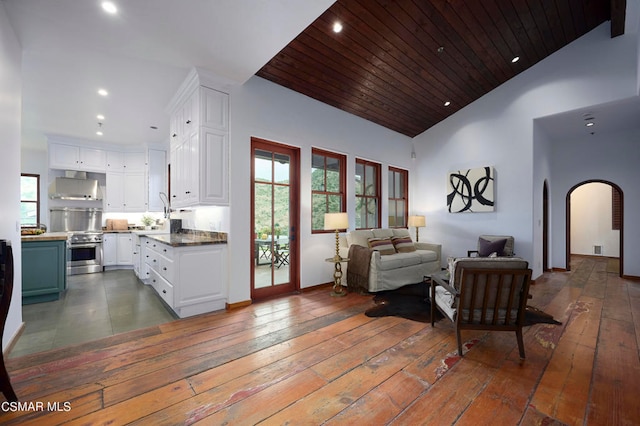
117,249
190,279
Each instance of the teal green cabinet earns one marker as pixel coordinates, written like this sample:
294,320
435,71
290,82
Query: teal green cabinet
44,270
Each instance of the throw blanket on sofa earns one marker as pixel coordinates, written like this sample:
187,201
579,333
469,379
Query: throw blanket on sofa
358,270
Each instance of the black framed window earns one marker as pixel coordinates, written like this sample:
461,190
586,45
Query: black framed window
328,182
398,197
367,183
29,199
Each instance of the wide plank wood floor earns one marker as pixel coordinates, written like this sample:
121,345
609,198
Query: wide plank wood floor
314,359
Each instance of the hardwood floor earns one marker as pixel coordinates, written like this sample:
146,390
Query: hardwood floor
314,359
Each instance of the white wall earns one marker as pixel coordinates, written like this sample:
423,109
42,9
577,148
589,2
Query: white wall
498,130
608,157
591,218
262,109
10,120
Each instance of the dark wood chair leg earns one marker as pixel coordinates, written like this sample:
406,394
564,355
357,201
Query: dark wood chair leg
520,343
5,383
459,338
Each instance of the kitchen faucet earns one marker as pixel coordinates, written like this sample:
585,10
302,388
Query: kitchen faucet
167,205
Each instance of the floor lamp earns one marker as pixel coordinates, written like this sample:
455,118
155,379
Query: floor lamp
418,222
336,222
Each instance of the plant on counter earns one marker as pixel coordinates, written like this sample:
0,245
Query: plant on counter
147,220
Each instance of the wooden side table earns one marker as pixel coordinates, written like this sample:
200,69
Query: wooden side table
338,289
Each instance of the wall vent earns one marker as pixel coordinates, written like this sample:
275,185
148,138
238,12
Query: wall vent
597,250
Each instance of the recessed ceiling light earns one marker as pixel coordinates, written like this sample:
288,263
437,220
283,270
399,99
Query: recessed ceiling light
589,124
447,103
100,117
102,92
109,7
99,133
515,59
337,27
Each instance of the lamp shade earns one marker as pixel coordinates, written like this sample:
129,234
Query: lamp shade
417,221
333,221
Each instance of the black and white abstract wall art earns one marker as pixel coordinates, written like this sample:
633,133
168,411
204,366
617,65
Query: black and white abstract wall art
471,190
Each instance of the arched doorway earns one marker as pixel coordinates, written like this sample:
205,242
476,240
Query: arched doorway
620,206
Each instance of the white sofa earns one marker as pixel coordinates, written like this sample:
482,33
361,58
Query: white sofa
388,272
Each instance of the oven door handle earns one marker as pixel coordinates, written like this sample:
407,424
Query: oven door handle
91,245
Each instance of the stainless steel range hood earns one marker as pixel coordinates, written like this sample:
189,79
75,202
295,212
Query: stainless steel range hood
75,186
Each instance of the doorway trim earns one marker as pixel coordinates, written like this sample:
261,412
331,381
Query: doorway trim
294,240
568,221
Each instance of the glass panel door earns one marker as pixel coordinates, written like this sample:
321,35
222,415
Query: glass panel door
274,219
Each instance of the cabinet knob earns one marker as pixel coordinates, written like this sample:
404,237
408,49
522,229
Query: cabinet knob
188,121
174,135
164,291
164,269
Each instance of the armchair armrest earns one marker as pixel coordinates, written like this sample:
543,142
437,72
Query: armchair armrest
430,246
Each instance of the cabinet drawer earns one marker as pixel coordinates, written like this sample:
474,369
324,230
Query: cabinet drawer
164,288
166,268
152,259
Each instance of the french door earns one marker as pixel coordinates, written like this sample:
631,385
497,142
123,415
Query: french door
275,176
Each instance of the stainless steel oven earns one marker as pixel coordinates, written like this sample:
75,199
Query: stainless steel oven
84,253
84,241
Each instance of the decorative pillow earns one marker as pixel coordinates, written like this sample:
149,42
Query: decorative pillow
383,245
487,248
403,244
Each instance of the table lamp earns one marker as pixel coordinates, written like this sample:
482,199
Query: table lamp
336,221
417,221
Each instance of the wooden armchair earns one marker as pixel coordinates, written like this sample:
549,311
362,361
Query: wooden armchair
484,299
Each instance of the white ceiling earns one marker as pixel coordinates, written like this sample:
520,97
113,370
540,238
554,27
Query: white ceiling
613,117
141,55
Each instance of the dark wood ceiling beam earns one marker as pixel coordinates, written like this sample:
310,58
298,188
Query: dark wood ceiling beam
618,16
347,76
422,64
385,66
467,52
378,76
294,82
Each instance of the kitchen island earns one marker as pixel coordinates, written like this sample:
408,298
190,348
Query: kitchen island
188,270
44,267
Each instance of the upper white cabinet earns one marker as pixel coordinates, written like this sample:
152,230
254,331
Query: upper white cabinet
199,140
73,157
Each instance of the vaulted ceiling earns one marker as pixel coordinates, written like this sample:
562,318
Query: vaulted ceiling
409,64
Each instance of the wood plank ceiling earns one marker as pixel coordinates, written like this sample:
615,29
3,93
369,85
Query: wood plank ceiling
396,62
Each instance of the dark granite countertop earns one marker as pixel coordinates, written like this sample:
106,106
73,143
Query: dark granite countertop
196,238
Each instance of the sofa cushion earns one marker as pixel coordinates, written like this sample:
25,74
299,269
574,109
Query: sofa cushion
399,260
486,248
403,244
359,237
427,255
382,233
383,245
401,232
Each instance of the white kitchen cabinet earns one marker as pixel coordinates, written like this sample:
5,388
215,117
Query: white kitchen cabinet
124,249
73,157
114,192
126,192
157,171
115,161
109,250
135,161
117,249
199,154
190,279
